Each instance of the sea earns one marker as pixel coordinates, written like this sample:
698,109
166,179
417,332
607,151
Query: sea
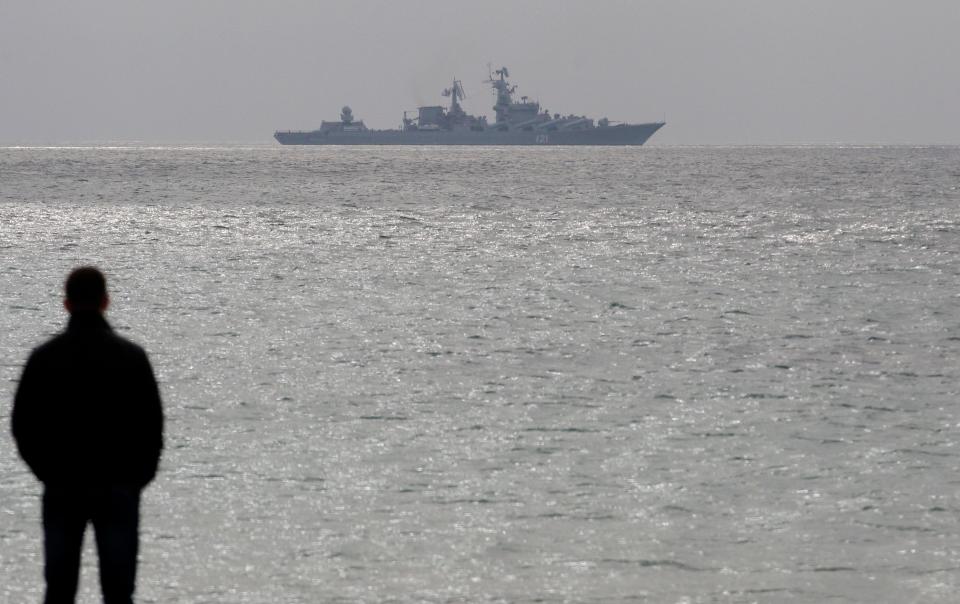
513,375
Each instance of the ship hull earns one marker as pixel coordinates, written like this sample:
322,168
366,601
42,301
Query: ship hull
623,134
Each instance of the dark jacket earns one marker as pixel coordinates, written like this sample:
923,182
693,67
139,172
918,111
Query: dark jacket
87,409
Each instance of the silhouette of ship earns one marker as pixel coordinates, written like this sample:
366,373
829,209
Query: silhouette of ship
523,123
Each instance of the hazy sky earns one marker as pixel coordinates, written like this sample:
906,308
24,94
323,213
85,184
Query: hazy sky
733,71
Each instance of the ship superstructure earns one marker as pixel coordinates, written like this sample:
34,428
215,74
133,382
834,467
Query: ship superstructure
436,117
516,123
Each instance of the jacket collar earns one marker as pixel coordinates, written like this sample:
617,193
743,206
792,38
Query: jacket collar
87,320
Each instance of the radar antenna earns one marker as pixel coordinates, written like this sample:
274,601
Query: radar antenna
455,91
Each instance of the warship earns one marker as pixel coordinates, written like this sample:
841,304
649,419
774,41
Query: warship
516,123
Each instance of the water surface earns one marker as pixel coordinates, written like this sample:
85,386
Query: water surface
514,375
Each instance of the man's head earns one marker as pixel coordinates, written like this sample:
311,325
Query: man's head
86,290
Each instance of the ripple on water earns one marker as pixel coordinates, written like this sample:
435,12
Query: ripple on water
656,374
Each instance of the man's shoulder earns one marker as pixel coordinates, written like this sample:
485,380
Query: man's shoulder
106,340
50,346
125,344
122,340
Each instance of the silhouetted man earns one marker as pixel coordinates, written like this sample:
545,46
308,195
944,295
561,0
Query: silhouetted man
88,421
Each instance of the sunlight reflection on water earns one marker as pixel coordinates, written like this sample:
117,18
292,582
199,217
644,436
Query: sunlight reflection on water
515,375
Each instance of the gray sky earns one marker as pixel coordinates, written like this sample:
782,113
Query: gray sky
734,71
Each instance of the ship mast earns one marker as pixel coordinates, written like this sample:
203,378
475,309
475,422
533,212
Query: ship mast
504,92
456,94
